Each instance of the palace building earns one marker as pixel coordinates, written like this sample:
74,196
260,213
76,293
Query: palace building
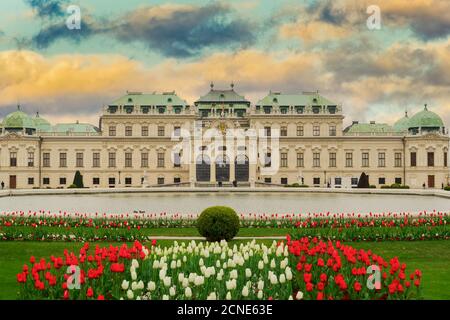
135,145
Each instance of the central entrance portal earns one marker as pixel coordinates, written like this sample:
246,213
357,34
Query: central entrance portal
222,169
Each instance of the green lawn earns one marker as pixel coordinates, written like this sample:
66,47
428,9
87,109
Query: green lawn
432,257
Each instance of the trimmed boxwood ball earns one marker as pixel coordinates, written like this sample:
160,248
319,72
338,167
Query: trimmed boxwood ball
218,223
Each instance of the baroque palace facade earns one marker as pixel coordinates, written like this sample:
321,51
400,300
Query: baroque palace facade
134,144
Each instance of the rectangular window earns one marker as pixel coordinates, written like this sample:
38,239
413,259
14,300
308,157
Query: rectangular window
31,181
177,159
284,181
96,160
332,131
284,160
300,131
300,160
381,181
62,181
316,181
111,181
128,131
398,180
445,159
128,160
161,131
160,160
128,181
316,131
112,131
413,159
365,159
349,159
267,180
46,181
30,159
79,162
283,131
176,131
381,159
160,180
46,160
144,159
337,181
316,159
112,160
430,159
13,159
177,180
144,131
354,181
268,160
96,181
63,160
398,159
267,131
333,159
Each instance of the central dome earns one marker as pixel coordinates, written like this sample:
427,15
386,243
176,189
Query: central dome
18,120
425,119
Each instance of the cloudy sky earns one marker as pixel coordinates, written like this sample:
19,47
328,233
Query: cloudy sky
260,45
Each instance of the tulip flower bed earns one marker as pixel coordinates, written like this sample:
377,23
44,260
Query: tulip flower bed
39,226
300,269
331,270
193,271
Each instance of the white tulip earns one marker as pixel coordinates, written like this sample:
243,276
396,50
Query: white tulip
133,276
185,283
178,263
212,296
167,281
162,274
260,285
245,291
260,294
282,278
299,295
134,286
130,294
261,265
228,297
199,280
172,291
201,262
273,279
155,264
151,286
248,273
188,292
219,277
135,263
165,297
233,274
173,264
288,274
184,258
125,284
272,264
180,277
140,285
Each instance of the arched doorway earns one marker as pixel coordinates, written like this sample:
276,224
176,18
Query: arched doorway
222,169
241,168
203,168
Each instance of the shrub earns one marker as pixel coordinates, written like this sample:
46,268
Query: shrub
363,181
78,180
72,186
395,186
447,188
218,223
373,186
297,185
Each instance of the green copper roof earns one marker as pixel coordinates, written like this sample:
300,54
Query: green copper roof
74,127
18,120
150,99
402,124
303,99
223,97
369,128
42,124
425,119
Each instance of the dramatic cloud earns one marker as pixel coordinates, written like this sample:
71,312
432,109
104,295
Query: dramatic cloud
174,30
48,8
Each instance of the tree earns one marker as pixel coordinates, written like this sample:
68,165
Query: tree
78,180
363,181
